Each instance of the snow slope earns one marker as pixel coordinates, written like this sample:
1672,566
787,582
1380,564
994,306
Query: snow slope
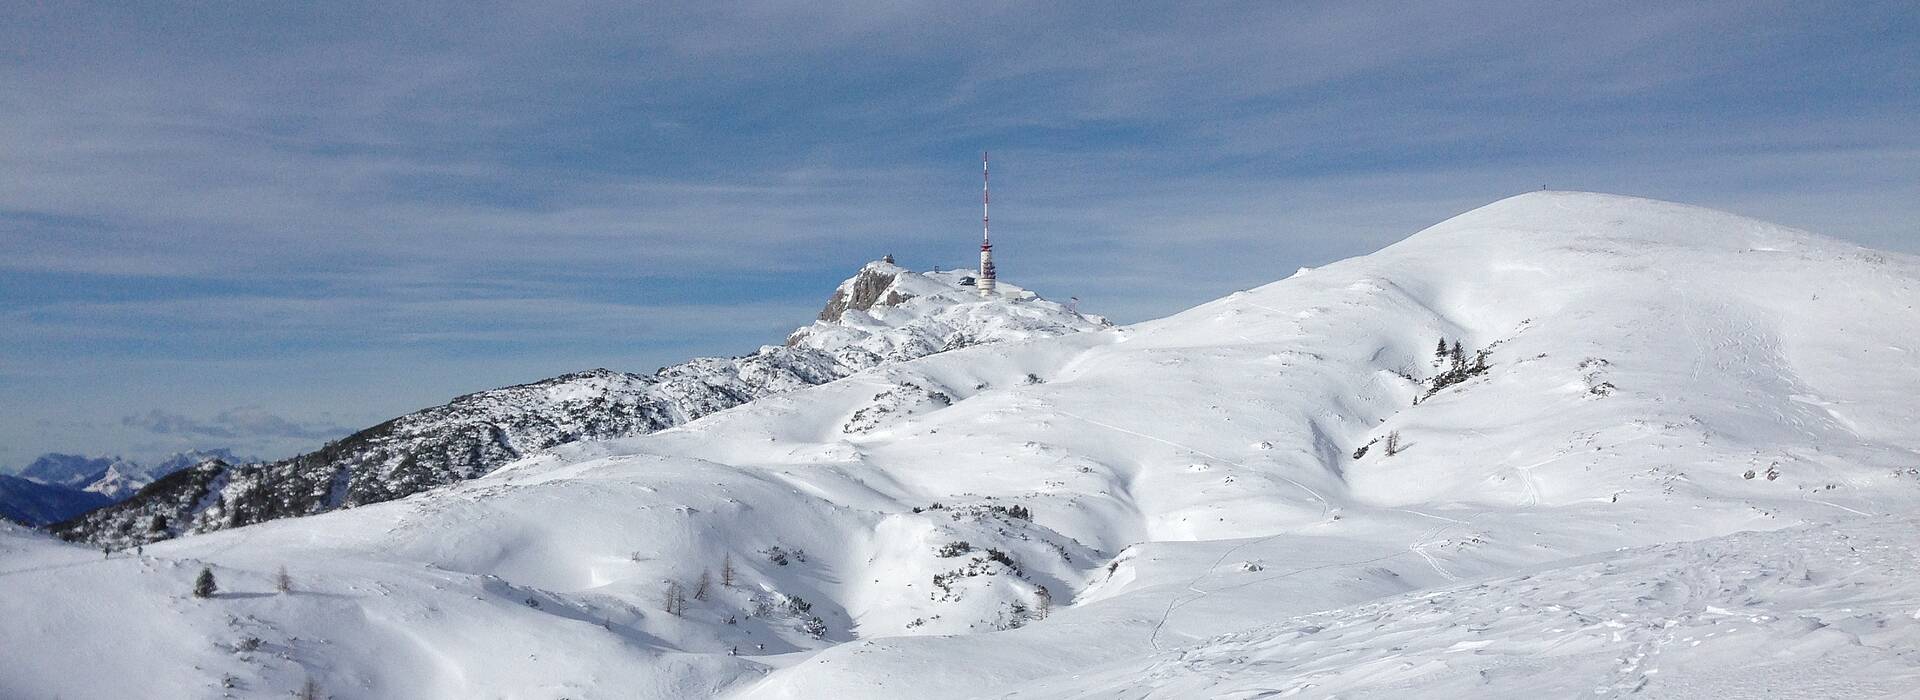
883,314
1809,612
1051,516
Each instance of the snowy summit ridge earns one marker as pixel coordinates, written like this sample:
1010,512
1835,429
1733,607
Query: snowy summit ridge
893,312
912,315
1565,444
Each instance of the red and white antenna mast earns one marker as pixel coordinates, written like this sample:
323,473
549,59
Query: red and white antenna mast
986,281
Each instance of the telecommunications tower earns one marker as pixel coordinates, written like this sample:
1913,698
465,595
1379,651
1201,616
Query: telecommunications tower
986,232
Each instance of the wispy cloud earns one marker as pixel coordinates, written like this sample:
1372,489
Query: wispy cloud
247,424
195,197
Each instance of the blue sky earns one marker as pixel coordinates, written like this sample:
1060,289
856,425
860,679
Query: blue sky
262,224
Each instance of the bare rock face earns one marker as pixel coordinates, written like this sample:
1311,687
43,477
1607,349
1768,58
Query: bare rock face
873,286
884,314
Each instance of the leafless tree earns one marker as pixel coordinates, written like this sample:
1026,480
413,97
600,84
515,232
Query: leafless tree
676,601
703,587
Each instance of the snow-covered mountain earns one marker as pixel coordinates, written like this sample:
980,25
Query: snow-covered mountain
34,504
181,460
68,470
1672,455
75,471
114,477
56,487
884,314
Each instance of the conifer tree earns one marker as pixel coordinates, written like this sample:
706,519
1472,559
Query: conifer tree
281,581
703,587
204,586
726,571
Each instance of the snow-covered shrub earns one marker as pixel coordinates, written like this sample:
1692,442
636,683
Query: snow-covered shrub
814,626
776,555
798,605
1592,371
1458,368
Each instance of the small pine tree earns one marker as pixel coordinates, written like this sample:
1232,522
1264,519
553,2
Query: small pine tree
204,586
703,587
726,571
1393,443
1457,356
281,581
1043,603
309,690
1440,351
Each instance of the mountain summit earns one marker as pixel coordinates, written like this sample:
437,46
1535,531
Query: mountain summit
884,314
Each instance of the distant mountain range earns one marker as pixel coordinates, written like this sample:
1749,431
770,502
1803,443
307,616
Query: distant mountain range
32,503
56,486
